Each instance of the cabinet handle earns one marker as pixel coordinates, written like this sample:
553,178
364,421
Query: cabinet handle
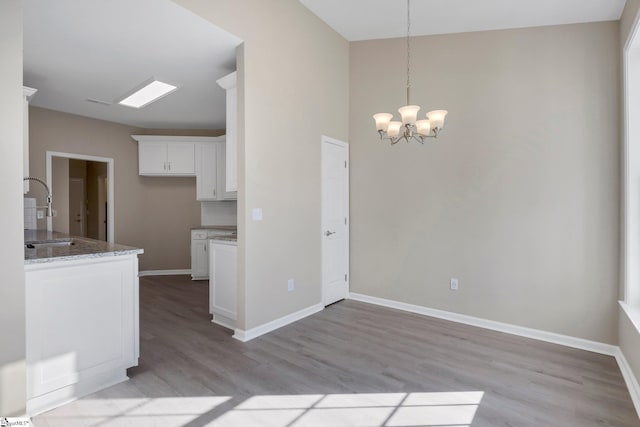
214,192
205,247
169,163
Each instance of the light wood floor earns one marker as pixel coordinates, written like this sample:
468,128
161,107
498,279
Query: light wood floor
351,364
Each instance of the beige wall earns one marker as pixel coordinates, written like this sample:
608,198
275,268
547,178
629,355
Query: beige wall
154,213
518,198
293,88
12,312
628,334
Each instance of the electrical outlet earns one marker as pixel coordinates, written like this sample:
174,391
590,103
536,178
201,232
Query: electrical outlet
39,214
454,284
256,214
290,285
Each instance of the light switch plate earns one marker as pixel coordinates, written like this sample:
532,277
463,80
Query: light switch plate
256,214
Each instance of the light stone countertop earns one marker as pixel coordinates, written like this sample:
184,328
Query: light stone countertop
230,239
216,227
81,248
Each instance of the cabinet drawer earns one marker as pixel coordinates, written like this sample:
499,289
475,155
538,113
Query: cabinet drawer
198,234
214,233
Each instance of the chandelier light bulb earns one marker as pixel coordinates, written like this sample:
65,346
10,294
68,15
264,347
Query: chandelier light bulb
409,113
394,129
423,127
382,121
436,118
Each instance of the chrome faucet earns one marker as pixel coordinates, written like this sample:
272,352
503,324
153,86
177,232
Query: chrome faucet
49,208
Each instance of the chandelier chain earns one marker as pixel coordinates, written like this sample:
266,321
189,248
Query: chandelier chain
408,52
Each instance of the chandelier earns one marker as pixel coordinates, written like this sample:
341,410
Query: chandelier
409,128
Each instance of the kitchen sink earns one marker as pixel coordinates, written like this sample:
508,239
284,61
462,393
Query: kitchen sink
48,243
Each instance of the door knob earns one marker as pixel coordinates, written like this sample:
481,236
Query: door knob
329,233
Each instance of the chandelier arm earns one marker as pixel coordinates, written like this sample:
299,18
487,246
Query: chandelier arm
419,138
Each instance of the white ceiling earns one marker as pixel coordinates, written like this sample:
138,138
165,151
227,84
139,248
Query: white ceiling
379,19
103,49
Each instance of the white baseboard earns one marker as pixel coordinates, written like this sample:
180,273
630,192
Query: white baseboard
62,396
163,273
629,379
566,340
252,333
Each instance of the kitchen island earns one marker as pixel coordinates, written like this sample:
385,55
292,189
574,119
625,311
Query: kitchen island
82,316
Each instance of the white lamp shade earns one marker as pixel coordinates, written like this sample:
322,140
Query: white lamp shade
409,113
382,121
436,118
423,127
394,129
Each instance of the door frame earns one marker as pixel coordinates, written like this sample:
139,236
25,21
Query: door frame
110,191
328,140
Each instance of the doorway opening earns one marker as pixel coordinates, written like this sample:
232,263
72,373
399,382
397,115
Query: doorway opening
82,192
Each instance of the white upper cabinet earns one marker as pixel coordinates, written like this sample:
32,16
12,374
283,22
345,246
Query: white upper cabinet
210,168
229,83
222,187
166,155
199,156
207,172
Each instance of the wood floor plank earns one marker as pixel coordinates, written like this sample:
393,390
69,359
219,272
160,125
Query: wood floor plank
195,374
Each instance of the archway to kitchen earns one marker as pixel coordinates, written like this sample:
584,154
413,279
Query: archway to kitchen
103,210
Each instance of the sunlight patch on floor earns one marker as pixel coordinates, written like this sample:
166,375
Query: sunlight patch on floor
165,411
453,409
362,410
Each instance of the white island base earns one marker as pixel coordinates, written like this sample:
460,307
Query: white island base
82,327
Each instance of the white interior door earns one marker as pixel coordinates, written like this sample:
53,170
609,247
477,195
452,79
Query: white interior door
77,215
335,220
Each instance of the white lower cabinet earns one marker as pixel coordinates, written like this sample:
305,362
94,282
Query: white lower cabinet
223,282
199,260
199,249
81,326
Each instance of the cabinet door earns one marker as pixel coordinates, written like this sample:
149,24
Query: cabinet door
229,83
222,280
199,260
206,174
222,191
152,158
181,158
81,324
